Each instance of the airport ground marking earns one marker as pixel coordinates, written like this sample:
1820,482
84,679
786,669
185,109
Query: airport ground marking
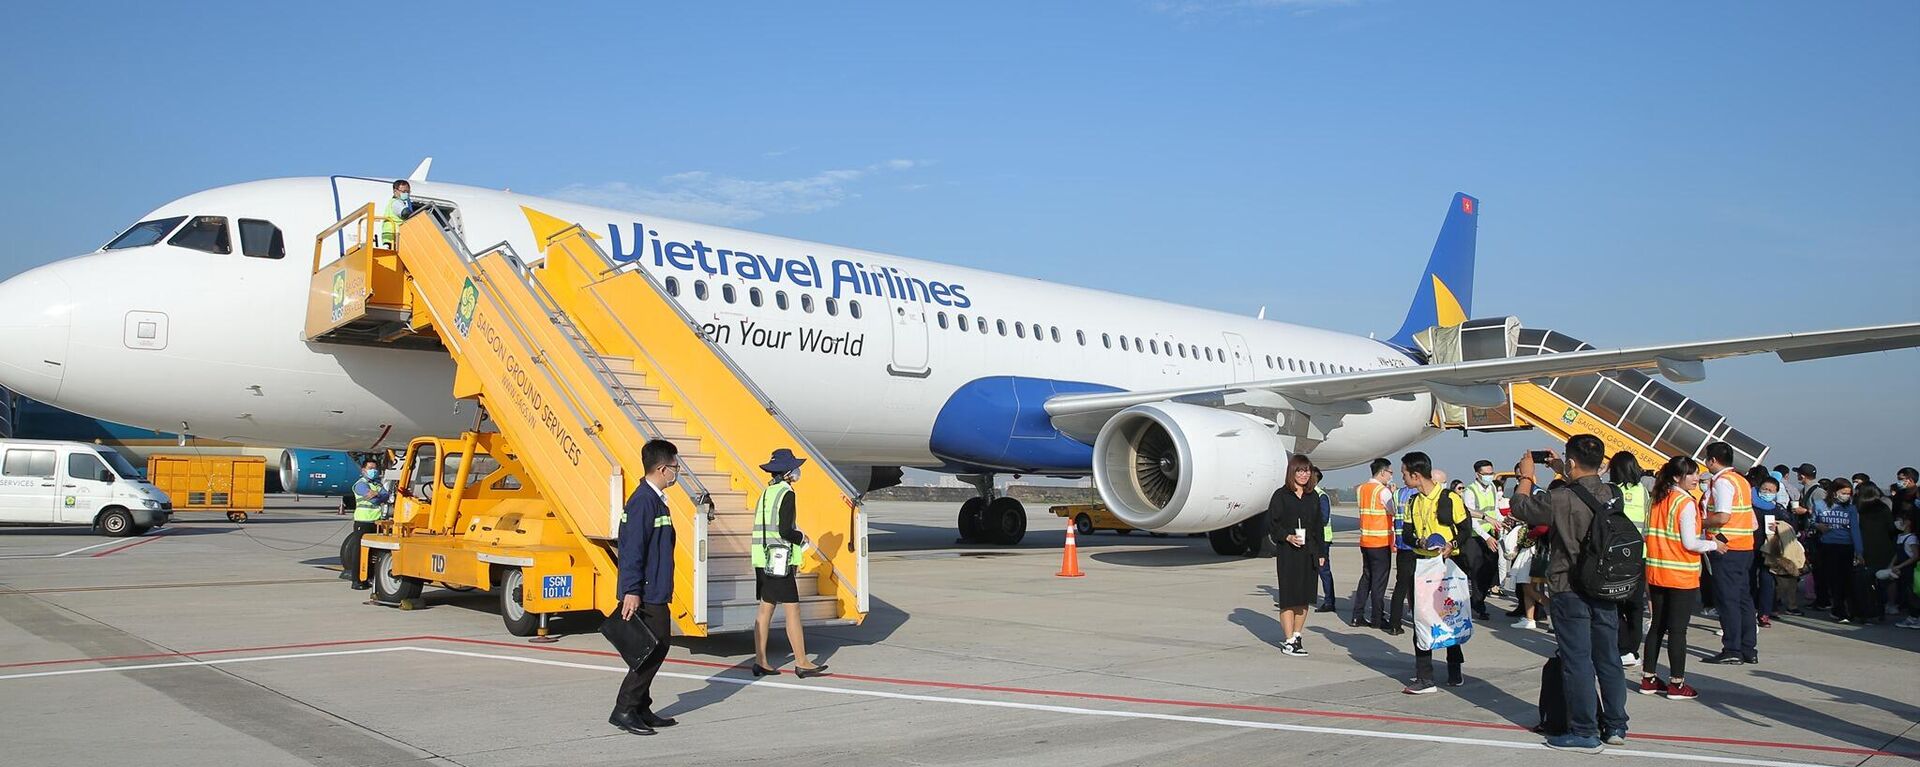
59,555
142,542
1852,751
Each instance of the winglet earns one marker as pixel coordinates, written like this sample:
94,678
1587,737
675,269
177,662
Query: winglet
1444,294
420,172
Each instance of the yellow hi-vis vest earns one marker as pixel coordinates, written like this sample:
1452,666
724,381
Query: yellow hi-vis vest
766,523
1633,501
1376,525
1485,499
1326,533
390,224
364,509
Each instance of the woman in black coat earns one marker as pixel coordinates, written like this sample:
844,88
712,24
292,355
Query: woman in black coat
1294,524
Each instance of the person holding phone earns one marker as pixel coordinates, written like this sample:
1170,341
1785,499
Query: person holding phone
1294,522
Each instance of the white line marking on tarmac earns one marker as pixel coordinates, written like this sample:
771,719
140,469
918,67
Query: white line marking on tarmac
1070,710
61,554
216,662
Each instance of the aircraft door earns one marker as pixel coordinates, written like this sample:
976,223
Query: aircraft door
351,192
1242,357
908,318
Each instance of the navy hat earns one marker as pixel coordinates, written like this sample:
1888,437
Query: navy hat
782,462
1807,470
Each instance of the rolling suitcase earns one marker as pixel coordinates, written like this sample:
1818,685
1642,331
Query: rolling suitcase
1553,699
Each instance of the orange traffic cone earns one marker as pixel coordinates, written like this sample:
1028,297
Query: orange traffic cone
1070,559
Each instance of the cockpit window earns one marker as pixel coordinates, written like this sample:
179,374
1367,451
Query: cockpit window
261,239
204,233
145,233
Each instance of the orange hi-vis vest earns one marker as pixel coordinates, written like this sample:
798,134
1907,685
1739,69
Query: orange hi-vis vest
1740,524
1669,564
1376,523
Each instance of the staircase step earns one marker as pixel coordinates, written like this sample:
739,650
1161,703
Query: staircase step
739,615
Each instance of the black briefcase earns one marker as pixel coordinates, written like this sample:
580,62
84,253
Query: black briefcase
630,638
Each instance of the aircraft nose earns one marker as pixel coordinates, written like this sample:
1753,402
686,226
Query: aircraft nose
35,316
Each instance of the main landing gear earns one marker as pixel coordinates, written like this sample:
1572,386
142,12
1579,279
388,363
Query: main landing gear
991,518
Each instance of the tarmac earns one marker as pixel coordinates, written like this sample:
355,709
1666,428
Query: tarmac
209,641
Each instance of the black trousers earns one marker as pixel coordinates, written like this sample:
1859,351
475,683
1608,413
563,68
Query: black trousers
1423,663
1485,572
350,550
636,689
1632,612
1403,564
1672,611
1376,567
1833,576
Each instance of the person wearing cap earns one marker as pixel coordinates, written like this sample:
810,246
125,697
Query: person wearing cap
777,541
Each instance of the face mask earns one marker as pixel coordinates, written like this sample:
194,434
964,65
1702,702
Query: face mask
793,476
406,196
1843,499
1486,479
372,473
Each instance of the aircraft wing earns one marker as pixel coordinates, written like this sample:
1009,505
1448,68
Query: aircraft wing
1478,383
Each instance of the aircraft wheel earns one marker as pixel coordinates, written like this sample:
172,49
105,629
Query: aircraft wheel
513,607
1006,521
1230,541
970,515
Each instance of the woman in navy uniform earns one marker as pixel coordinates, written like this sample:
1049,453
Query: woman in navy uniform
776,539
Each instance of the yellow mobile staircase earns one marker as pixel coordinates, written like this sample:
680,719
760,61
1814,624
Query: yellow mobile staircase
578,361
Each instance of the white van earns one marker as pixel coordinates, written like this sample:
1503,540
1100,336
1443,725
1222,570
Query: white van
45,482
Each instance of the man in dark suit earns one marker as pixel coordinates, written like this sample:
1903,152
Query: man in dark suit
646,582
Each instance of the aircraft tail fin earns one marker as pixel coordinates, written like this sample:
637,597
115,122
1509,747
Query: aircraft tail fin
1444,295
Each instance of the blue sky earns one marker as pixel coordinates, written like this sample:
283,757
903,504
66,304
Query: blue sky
1633,160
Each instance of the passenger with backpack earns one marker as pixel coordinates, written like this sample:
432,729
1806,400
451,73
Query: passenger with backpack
1675,544
1604,564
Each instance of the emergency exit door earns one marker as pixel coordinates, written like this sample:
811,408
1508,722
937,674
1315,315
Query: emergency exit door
1242,356
908,319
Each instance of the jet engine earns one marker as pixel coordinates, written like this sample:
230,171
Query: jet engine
318,472
1181,468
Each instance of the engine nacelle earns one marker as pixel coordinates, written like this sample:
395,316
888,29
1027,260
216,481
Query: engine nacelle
318,472
1181,468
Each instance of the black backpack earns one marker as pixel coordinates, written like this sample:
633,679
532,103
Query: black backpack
1611,565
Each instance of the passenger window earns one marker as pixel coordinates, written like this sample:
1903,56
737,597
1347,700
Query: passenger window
700,289
853,309
1123,344
1019,330
806,302
1001,325
1081,336
833,308
753,296
1054,332
1183,351
204,233
942,319
145,233
963,323
1106,340
261,239
1209,353
780,299
1154,344
28,463
85,466
1138,346
982,322
727,293
673,286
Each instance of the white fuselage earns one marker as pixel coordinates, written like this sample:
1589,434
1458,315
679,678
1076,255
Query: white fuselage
229,362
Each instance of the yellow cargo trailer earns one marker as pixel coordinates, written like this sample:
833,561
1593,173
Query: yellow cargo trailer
233,484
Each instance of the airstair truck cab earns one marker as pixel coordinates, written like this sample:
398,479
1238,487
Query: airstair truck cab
45,482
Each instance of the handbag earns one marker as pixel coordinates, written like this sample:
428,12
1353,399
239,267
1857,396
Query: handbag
629,637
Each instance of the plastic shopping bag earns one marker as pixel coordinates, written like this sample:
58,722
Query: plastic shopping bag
1521,571
1441,594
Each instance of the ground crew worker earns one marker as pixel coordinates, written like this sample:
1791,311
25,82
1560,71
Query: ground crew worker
1326,539
1730,520
368,497
1674,547
778,543
1623,472
399,207
1483,504
1375,499
646,582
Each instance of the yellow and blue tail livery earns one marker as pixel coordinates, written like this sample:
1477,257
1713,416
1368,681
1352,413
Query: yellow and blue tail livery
1444,295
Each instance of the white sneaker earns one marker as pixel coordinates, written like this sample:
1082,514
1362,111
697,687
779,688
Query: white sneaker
1630,660
1910,623
1525,623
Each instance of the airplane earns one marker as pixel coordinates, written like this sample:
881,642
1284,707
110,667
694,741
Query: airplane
191,321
